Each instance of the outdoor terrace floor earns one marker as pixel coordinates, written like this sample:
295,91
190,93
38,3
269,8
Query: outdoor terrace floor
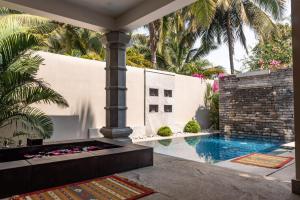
176,178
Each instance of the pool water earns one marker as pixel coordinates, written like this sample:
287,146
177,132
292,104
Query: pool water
211,148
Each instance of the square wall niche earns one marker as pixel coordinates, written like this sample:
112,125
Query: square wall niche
153,92
168,108
153,108
168,93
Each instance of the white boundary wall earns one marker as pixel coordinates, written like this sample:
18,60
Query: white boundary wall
82,83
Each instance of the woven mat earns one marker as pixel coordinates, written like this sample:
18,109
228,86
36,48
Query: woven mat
263,160
106,188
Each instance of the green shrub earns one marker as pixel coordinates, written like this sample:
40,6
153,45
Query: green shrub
214,111
211,100
192,127
164,131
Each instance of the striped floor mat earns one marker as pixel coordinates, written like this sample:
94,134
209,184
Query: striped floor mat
263,160
106,188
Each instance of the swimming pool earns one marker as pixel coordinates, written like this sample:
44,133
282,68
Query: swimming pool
211,148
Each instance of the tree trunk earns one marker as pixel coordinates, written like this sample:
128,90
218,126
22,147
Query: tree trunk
154,32
230,42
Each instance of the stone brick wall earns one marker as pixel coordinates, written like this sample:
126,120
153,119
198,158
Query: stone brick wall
258,104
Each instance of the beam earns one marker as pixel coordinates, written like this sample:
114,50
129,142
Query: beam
296,69
148,11
62,11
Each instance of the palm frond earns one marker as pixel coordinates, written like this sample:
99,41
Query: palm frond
33,121
275,7
261,23
15,45
19,87
204,11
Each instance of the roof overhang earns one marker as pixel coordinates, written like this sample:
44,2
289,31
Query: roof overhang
99,15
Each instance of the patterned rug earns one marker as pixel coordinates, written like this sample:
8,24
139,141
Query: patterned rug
106,188
263,160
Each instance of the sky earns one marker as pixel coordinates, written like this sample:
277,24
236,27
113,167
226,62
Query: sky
219,57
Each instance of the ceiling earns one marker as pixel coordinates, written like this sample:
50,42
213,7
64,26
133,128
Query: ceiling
112,8
99,15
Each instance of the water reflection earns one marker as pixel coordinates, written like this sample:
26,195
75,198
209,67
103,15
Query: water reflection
166,142
192,141
208,150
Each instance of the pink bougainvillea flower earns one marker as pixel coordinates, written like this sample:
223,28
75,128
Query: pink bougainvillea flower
275,62
215,86
221,76
201,76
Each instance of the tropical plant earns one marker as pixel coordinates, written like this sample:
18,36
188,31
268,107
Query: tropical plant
164,131
192,127
211,101
174,51
177,51
75,41
79,42
136,59
20,89
177,31
214,110
226,19
275,52
202,68
21,22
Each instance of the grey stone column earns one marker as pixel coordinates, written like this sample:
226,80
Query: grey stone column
116,43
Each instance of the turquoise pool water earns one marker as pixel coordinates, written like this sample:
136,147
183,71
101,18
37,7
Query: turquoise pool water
211,148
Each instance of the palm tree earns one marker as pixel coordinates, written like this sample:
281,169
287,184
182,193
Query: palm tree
75,41
155,28
177,52
226,20
20,89
159,30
